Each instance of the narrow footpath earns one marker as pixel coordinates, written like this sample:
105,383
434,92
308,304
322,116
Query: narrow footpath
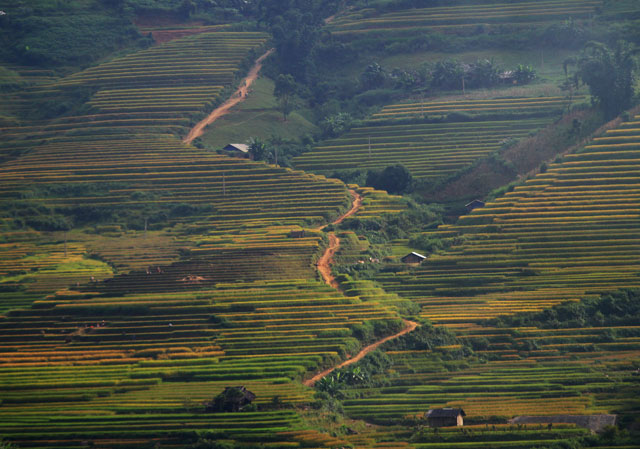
326,260
324,268
409,326
239,96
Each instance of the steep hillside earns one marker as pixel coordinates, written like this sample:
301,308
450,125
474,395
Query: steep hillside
562,234
145,254
160,294
565,235
409,133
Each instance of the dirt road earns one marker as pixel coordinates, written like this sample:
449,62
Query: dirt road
324,268
355,206
325,262
409,326
236,98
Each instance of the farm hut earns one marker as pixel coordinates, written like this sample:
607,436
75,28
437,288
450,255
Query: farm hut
508,77
298,234
237,148
232,399
445,417
474,205
413,257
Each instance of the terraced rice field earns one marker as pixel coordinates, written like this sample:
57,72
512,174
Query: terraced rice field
126,153
117,336
521,371
401,133
565,233
461,18
377,202
123,367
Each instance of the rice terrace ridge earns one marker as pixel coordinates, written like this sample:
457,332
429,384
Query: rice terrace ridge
366,224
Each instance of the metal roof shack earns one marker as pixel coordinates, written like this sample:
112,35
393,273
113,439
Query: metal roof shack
445,417
474,205
413,257
237,148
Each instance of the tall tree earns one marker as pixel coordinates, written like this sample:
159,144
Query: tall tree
285,92
296,28
609,73
394,179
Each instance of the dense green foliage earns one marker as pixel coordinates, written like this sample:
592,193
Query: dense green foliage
610,75
424,338
620,308
295,26
285,92
46,33
392,226
394,179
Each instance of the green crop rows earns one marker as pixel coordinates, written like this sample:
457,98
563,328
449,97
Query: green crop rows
518,254
224,296
461,17
104,363
433,150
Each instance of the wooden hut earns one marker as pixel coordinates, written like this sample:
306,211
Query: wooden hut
232,399
445,417
413,258
474,205
239,149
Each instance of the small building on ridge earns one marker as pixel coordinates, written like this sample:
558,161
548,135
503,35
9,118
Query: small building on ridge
445,417
232,399
413,257
237,148
474,205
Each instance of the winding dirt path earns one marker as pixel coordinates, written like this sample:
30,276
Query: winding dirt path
326,260
236,98
324,268
409,326
355,207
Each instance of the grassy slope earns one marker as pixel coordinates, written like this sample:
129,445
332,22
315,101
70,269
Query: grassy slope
257,117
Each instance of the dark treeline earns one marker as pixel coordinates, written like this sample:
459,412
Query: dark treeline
621,308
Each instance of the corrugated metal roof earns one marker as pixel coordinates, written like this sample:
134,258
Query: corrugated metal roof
445,413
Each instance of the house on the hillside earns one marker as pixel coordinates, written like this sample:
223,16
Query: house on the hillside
413,258
237,149
232,399
298,234
508,77
445,417
474,205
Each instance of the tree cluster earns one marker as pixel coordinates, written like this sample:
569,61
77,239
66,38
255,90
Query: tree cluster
296,28
615,309
610,74
446,74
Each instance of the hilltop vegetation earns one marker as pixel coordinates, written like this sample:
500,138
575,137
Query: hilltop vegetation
140,275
